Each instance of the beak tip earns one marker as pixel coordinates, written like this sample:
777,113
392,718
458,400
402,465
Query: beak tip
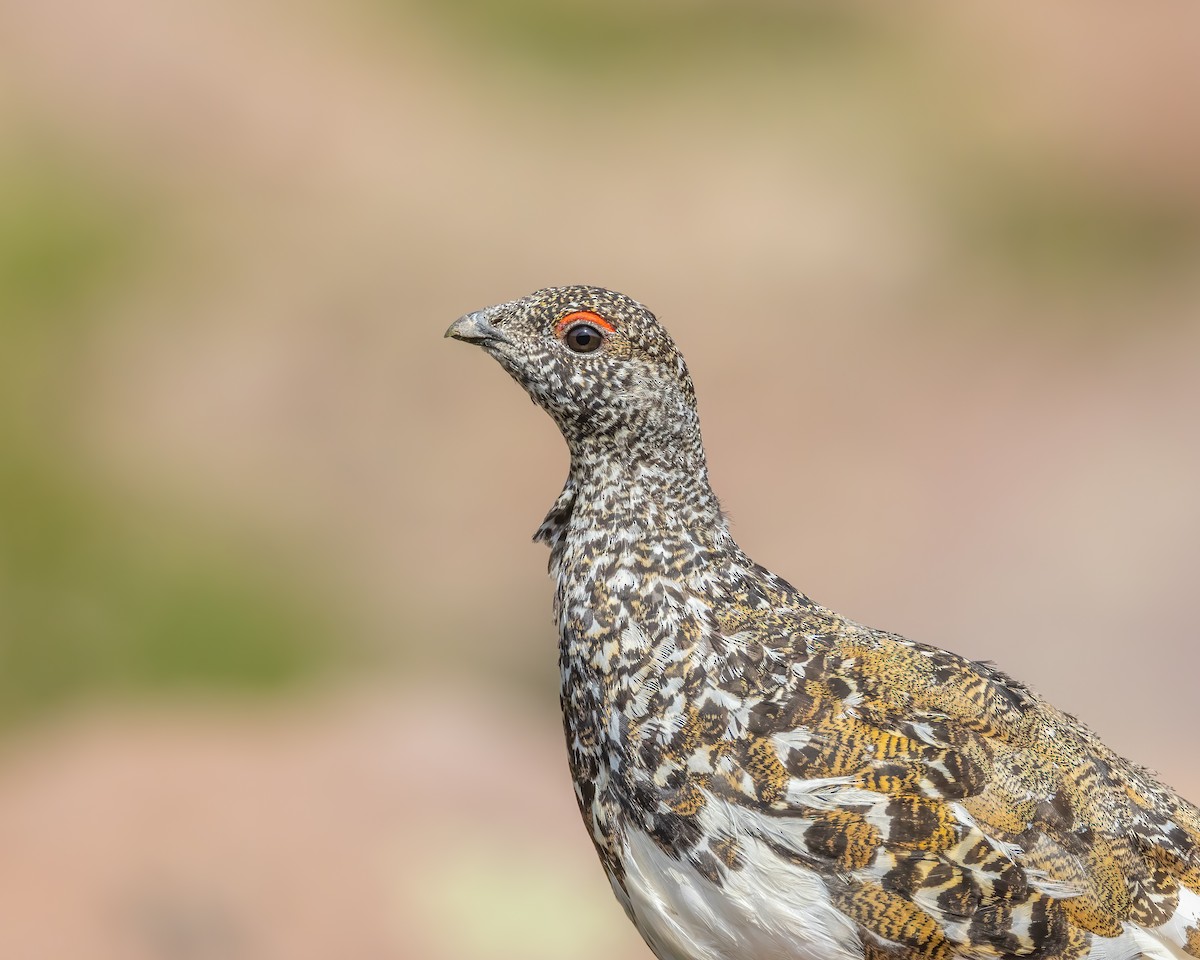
475,327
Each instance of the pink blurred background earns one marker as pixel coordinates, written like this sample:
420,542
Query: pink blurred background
277,671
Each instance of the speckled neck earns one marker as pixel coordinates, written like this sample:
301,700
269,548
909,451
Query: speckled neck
653,482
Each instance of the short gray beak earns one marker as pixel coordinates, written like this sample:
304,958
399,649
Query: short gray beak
477,327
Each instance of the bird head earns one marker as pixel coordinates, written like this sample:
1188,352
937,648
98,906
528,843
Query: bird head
597,361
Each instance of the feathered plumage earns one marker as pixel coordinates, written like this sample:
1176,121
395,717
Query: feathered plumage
763,778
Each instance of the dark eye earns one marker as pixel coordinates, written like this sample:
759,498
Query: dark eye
583,338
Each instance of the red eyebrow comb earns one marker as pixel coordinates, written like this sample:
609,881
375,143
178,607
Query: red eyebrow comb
586,316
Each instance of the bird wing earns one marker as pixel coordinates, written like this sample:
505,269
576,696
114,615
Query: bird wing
951,811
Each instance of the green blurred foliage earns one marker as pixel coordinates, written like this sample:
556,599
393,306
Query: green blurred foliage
95,597
62,240
625,42
97,592
1048,229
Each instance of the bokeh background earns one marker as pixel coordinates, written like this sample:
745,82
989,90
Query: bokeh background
277,671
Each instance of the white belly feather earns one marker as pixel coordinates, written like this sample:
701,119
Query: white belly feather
773,909
767,910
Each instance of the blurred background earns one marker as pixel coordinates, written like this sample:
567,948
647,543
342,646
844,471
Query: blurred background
277,669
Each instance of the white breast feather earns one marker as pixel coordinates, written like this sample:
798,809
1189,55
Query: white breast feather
769,909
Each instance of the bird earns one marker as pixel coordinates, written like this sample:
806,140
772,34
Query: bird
765,779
